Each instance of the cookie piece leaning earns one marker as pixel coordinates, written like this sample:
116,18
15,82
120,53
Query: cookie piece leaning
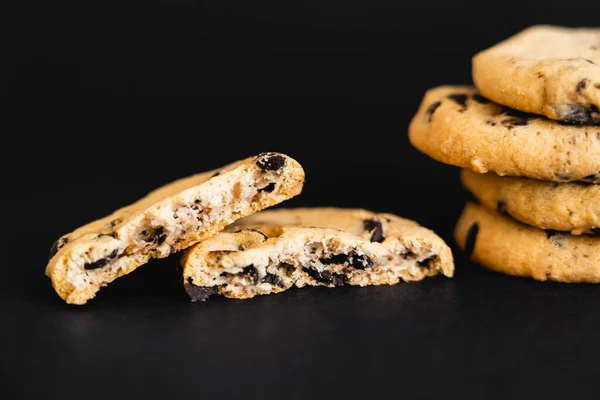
168,219
572,207
504,245
272,251
547,70
457,126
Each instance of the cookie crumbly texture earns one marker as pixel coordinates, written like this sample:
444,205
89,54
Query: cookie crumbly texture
274,250
571,207
167,220
457,126
547,70
504,245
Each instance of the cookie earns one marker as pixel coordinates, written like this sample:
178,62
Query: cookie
502,244
275,250
457,126
572,207
168,219
546,70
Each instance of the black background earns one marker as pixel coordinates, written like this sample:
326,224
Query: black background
333,84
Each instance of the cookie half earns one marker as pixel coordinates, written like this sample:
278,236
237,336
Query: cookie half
504,245
547,70
273,251
457,126
168,219
571,207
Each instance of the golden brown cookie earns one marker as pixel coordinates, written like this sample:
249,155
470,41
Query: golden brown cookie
504,245
274,250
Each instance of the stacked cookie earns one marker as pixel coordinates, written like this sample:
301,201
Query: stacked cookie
267,252
528,140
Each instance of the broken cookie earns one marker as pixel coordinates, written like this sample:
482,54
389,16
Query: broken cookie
273,251
167,220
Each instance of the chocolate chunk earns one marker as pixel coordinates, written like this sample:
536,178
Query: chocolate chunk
581,85
199,293
582,115
460,99
252,272
115,222
550,233
431,109
596,231
273,280
501,206
157,235
376,227
57,246
270,161
326,277
471,239
359,261
103,261
480,99
269,188
426,263
216,174
354,259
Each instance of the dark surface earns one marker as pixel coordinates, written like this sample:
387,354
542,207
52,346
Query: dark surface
333,85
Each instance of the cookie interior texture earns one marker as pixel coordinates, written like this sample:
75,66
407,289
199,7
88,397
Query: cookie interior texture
457,126
504,245
273,251
548,70
168,219
572,207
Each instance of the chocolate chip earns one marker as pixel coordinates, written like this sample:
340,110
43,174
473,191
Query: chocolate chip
581,85
216,174
197,201
582,115
359,261
551,232
471,239
480,99
326,277
103,261
115,222
460,99
57,246
270,161
354,259
501,206
269,188
199,293
252,272
596,231
375,226
590,61
597,85
431,109
591,178
273,280
426,263
157,235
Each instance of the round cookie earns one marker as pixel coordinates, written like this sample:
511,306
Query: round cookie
457,126
273,251
546,70
572,207
169,219
504,245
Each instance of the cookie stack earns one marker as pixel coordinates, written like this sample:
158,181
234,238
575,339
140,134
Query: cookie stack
528,140
266,252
